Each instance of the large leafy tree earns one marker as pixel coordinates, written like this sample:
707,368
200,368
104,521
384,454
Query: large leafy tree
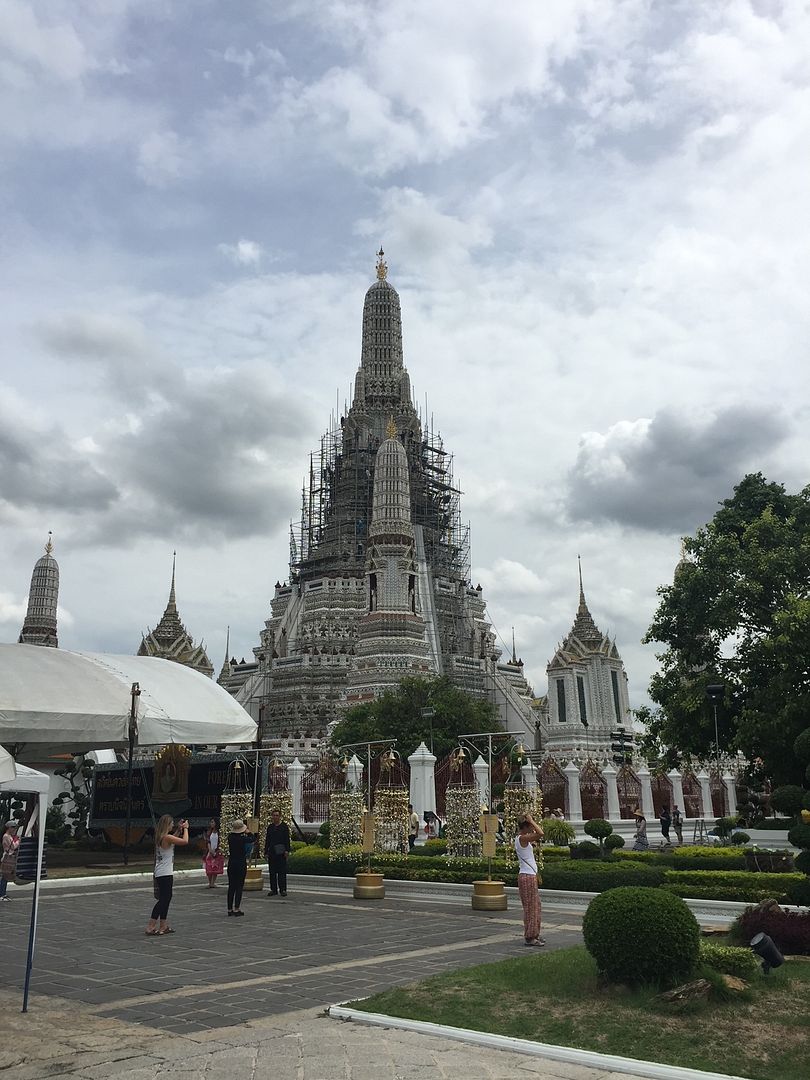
397,714
738,613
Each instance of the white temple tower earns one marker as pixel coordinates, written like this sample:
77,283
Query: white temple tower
587,684
39,627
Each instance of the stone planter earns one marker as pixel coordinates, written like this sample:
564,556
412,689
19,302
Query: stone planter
488,896
770,862
368,886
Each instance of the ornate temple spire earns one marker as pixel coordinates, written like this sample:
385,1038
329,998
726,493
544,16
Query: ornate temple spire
584,627
172,605
225,671
171,641
382,266
39,627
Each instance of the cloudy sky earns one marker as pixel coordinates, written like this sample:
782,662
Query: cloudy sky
596,215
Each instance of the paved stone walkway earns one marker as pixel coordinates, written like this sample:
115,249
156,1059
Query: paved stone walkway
241,998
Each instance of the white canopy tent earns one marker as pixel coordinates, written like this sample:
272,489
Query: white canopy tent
51,699
30,782
7,767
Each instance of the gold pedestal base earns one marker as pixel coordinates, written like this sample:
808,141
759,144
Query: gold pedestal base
368,886
253,880
488,896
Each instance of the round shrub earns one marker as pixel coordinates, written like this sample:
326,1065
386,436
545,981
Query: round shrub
799,836
787,799
801,746
641,936
598,828
614,841
802,862
585,850
740,838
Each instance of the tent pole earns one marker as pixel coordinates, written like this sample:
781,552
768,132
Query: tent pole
32,933
135,692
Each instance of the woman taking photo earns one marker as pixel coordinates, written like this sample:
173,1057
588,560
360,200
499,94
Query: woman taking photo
214,861
165,842
239,842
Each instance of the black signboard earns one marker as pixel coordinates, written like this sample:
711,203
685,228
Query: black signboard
198,799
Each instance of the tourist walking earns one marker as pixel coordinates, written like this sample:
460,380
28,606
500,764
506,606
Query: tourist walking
413,826
641,843
529,832
239,842
8,862
167,838
277,847
677,823
214,860
665,818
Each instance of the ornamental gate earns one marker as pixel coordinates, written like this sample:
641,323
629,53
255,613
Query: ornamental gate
386,773
661,792
691,796
277,776
719,795
318,783
629,787
594,793
552,783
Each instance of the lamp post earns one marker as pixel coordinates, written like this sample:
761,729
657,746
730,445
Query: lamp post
715,692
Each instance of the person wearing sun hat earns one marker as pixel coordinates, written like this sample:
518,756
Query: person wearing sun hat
641,843
239,839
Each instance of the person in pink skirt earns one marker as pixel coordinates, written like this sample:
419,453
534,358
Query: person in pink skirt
214,860
529,832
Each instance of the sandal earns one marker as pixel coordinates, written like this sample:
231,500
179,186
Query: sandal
168,930
151,933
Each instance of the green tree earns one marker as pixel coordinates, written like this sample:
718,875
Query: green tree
739,613
397,714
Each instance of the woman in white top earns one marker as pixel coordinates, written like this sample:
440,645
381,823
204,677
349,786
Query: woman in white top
165,843
529,832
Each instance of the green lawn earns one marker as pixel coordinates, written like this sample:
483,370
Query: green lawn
555,998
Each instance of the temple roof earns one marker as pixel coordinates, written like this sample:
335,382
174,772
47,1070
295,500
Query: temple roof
170,639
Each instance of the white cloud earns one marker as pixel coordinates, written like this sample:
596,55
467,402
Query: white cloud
243,252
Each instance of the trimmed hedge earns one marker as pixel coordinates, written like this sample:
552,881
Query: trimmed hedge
599,875
581,875
729,960
708,858
729,884
641,936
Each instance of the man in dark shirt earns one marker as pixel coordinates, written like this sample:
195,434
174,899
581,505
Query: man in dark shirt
276,849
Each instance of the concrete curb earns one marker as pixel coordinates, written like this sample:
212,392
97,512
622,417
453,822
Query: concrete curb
568,1054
